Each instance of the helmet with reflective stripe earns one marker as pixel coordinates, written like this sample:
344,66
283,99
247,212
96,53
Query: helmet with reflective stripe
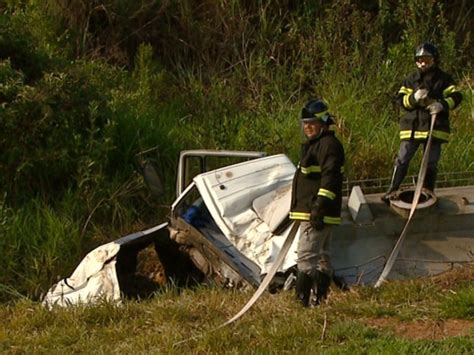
427,50
316,110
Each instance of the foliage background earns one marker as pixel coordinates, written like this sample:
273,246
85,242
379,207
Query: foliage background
86,85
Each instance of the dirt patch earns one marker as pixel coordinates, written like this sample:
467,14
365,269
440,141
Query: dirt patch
149,266
429,329
139,271
432,329
450,279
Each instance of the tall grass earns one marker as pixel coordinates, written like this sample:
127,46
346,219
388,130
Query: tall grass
39,243
85,87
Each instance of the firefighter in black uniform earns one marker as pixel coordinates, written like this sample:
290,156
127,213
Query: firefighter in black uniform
425,92
316,200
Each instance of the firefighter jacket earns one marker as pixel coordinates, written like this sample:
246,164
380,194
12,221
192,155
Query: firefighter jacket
317,182
415,124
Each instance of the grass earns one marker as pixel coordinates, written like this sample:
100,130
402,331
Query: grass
236,79
184,322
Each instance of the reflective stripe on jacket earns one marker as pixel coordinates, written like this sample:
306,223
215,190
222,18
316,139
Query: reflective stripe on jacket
317,183
415,124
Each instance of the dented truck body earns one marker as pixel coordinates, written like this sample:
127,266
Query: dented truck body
230,222
237,227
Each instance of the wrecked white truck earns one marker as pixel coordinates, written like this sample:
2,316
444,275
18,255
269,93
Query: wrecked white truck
228,224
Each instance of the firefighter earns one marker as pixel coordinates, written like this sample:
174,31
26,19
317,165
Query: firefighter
316,200
425,92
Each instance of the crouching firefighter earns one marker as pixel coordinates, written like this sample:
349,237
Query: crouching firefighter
316,200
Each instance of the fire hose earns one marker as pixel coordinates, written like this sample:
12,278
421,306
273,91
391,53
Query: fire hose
388,266
294,229
419,185
271,273
265,282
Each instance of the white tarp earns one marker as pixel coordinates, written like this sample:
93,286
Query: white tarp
95,278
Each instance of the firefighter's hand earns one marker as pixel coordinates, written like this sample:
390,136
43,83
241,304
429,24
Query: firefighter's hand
420,94
316,221
435,108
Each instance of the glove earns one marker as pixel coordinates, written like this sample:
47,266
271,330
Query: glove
420,94
316,220
435,108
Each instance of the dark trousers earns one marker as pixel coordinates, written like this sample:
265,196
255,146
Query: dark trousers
408,149
405,154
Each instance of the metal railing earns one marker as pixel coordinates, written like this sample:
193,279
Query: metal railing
379,185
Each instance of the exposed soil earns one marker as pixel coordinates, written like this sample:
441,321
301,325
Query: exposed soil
450,279
144,269
424,329
432,329
149,266
139,272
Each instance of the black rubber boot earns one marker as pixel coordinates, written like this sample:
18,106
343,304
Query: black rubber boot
340,283
304,283
322,283
398,175
430,179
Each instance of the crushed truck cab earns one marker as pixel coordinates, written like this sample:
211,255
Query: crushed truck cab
230,220
235,219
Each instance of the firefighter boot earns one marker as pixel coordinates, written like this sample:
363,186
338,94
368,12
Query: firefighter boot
322,282
304,282
398,175
340,283
430,179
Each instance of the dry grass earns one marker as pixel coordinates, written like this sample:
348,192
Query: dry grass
389,320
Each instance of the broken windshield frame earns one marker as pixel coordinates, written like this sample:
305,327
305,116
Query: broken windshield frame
195,162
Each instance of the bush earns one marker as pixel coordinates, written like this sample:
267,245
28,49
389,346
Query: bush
218,75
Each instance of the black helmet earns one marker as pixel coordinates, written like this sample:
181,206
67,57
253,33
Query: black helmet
427,49
316,110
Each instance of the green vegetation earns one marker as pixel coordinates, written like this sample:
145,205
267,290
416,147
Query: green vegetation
86,85
364,320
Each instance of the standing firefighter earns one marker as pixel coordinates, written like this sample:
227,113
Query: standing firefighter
316,200
425,92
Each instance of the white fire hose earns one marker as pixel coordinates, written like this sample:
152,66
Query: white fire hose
292,234
265,282
414,204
